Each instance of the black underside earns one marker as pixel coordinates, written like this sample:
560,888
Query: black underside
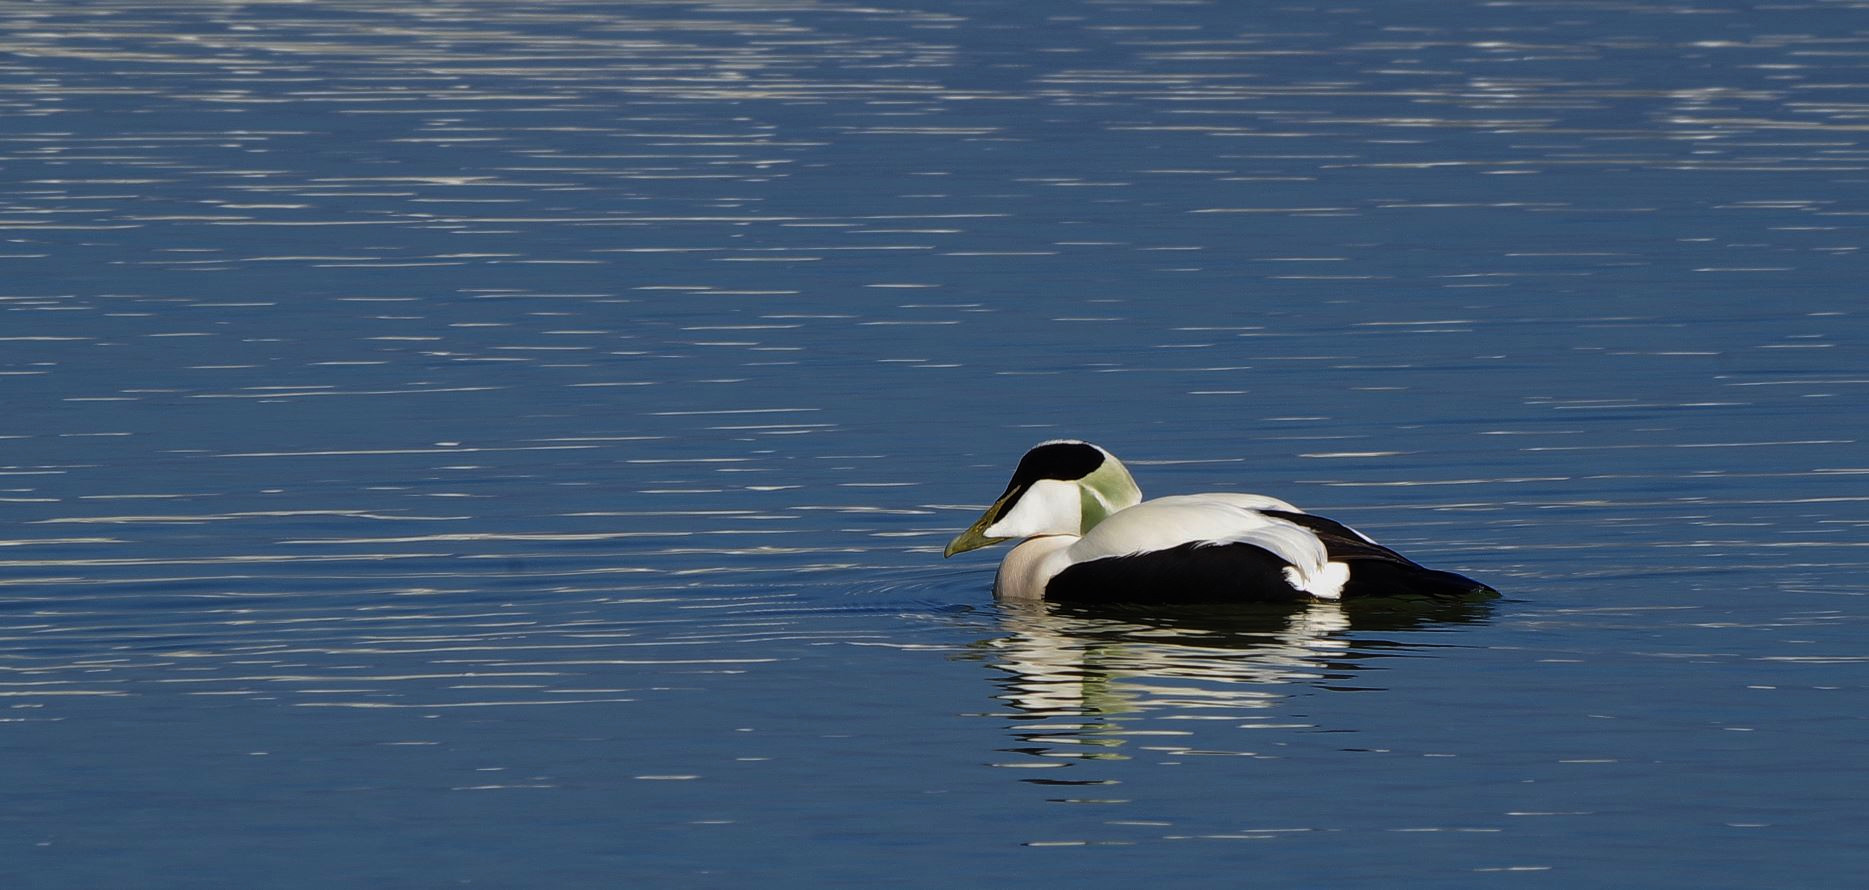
1190,573
1243,573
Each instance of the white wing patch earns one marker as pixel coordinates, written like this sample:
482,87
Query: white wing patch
1325,585
1248,501
1219,518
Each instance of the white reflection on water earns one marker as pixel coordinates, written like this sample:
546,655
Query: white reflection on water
1101,685
1064,665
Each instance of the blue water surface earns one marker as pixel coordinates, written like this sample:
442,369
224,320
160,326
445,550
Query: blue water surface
487,444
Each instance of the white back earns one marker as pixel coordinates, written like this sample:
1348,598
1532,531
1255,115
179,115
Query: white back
1219,518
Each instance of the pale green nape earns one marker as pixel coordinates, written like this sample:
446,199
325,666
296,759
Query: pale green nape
1107,489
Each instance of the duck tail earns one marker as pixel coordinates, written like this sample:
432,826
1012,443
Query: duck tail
1381,578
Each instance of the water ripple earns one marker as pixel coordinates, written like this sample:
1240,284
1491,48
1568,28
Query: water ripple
379,373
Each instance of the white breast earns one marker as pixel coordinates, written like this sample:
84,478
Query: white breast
1025,570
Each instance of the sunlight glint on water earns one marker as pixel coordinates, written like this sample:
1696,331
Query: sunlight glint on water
512,444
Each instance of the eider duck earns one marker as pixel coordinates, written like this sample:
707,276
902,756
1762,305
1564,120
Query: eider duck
1090,537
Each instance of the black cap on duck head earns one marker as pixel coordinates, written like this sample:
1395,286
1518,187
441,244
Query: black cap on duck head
1065,459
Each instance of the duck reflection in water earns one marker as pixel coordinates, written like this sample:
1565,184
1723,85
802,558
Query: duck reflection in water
1083,681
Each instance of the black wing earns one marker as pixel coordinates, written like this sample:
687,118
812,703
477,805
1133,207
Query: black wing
1376,570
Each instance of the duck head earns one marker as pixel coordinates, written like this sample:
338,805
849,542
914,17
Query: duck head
1061,487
